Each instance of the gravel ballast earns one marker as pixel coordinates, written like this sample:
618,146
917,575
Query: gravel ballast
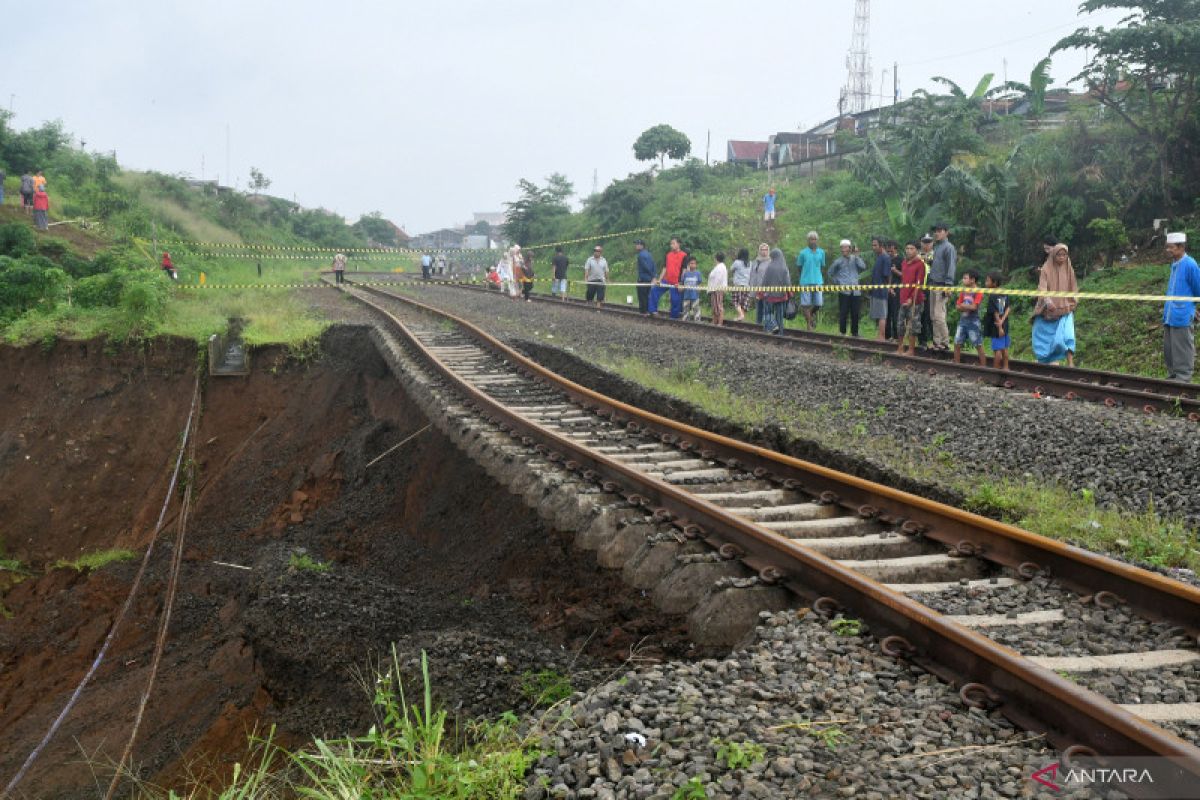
816,714
1124,457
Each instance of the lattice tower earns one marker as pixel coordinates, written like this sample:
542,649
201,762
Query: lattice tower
858,61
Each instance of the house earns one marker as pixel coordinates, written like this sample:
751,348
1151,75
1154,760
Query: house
743,152
442,239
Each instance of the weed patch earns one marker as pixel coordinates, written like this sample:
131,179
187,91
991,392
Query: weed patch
303,562
545,688
100,558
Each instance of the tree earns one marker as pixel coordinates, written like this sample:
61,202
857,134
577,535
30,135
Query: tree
532,215
376,230
919,178
258,181
661,142
1035,90
1146,72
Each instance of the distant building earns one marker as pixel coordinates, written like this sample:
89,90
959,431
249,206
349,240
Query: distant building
743,152
443,239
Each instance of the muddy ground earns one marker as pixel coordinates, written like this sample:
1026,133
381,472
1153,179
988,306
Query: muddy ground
424,550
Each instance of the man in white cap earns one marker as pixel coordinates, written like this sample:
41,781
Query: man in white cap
1179,343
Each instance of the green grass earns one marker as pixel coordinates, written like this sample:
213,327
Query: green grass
1041,507
306,563
96,560
545,688
272,316
739,755
845,626
414,751
1074,517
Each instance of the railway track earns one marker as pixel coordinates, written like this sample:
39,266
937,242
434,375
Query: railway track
956,594
1114,389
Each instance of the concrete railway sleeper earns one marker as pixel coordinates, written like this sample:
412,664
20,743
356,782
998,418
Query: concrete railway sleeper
1140,393
722,531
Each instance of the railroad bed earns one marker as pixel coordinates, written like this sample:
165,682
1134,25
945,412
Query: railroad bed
1114,389
683,512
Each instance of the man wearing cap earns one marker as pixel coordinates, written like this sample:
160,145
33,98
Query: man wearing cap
1179,343
595,273
645,275
941,273
845,271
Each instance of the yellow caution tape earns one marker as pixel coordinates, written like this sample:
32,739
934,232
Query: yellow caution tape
259,249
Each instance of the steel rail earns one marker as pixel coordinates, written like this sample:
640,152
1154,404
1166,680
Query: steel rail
1150,395
1032,697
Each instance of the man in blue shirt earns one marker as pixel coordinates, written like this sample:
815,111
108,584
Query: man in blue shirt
646,271
811,262
769,205
1179,343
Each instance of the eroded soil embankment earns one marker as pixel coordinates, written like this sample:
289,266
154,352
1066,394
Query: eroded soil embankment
424,551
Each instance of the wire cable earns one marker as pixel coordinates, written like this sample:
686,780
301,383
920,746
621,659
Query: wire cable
112,632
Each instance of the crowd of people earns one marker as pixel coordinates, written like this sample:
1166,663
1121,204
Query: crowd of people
908,289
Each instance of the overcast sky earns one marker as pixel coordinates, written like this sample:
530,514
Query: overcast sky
428,111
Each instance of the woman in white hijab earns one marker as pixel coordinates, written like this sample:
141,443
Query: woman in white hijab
509,268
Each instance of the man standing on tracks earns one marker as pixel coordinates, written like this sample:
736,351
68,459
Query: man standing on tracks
1179,343
559,287
339,268
811,262
672,270
941,273
595,273
426,266
645,275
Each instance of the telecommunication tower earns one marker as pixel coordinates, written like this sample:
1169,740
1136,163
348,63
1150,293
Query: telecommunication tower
858,61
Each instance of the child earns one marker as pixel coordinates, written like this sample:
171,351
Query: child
912,300
969,330
996,321
690,280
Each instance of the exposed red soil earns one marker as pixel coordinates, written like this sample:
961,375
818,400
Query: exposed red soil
425,552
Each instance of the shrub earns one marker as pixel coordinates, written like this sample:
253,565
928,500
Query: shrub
17,240
144,295
28,282
97,291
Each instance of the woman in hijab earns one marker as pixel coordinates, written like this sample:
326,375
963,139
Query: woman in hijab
507,269
1054,317
775,298
758,273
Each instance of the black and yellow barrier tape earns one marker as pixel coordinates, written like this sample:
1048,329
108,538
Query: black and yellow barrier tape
824,288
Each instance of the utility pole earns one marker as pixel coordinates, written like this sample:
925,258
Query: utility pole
595,181
707,146
895,89
227,172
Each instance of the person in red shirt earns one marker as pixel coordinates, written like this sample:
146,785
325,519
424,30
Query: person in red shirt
168,267
970,327
912,299
41,208
668,278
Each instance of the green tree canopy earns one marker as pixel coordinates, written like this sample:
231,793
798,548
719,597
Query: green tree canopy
1146,72
532,215
661,142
